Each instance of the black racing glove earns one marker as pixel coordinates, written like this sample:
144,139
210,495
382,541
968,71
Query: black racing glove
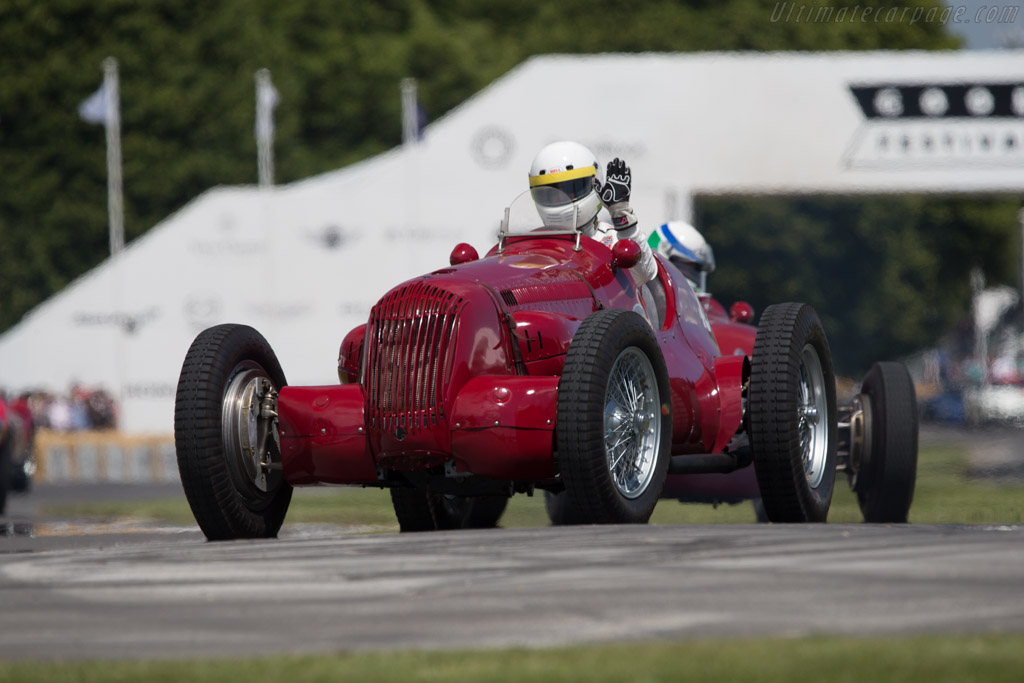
617,189
615,194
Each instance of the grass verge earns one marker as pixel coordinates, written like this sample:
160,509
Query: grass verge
929,659
944,495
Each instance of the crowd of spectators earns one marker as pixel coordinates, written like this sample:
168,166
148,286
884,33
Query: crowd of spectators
82,408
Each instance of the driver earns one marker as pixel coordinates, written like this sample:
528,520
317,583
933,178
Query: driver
572,169
687,250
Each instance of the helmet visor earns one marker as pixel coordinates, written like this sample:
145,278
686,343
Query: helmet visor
558,194
689,269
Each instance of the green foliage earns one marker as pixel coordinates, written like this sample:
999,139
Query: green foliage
188,105
888,275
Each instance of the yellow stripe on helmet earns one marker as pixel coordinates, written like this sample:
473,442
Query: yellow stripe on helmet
551,178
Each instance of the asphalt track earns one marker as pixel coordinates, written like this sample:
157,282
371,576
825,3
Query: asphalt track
170,594
71,590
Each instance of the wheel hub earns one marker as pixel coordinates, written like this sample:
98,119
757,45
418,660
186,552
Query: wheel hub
632,422
858,440
813,404
249,424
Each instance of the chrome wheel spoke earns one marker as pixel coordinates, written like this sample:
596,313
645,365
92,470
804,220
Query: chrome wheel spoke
631,428
812,407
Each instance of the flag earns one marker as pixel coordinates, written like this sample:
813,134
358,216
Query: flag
94,108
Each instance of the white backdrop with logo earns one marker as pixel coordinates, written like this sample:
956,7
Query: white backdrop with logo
303,263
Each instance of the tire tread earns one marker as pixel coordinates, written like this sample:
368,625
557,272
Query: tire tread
772,412
580,429
888,492
218,508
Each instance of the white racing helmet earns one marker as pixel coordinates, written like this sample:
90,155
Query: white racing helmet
564,183
684,246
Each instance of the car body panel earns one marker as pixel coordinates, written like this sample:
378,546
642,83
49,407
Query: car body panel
459,369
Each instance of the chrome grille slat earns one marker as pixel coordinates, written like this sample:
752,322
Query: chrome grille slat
410,330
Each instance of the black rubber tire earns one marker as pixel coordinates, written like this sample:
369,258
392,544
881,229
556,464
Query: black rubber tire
580,438
559,509
468,512
772,414
226,505
6,449
885,487
419,510
20,481
414,510
760,515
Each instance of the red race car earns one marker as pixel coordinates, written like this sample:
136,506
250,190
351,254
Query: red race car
540,366
16,444
877,428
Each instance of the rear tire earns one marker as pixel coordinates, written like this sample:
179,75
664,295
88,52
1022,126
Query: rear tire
419,510
614,420
414,510
559,509
792,414
885,485
228,373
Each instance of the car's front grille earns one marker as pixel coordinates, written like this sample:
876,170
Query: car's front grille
409,335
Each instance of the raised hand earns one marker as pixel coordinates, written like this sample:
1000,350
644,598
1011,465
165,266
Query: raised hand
619,183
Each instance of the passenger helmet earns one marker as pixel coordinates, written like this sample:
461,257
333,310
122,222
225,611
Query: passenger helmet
564,184
684,246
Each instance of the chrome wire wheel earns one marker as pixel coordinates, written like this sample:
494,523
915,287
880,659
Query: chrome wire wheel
249,425
614,428
811,413
632,422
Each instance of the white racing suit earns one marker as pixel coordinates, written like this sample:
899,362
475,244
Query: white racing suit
645,270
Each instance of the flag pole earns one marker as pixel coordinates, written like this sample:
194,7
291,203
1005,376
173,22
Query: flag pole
410,112
115,196
266,100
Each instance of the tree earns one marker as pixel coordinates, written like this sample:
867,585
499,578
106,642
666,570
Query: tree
187,92
888,275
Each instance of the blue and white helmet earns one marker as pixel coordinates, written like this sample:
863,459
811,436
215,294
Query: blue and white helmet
684,246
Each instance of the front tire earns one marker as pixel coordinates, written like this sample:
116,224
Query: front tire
614,420
792,414
226,436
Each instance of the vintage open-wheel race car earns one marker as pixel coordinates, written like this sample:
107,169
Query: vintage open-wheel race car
542,366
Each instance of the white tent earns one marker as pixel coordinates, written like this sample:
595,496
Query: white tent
303,263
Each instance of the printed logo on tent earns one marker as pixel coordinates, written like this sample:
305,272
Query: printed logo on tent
329,236
130,323
939,125
492,147
154,390
203,309
279,310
